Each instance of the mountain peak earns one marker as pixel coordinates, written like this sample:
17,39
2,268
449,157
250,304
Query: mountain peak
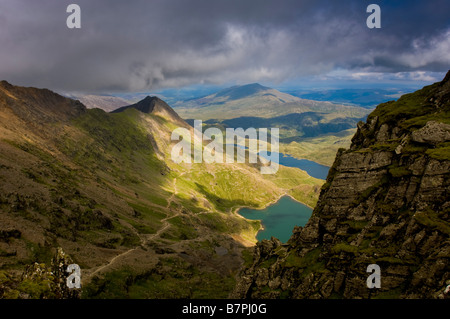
147,105
149,99
446,78
255,86
242,91
4,83
152,105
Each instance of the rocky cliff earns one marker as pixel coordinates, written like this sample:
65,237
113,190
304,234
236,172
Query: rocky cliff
385,202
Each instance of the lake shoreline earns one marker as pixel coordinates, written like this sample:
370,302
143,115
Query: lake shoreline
235,210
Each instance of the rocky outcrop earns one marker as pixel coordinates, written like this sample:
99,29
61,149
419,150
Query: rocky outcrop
385,202
40,281
433,133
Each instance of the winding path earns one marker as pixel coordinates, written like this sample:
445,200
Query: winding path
150,237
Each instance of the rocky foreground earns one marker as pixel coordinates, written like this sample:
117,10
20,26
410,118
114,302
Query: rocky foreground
385,202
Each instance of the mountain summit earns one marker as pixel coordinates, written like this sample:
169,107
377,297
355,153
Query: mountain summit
148,105
152,105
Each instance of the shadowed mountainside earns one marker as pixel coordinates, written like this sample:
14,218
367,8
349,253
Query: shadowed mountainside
102,187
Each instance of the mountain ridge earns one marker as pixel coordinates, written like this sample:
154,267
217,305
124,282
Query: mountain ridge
47,105
102,187
107,103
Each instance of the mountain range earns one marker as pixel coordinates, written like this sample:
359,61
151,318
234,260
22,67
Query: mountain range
312,130
101,190
308,129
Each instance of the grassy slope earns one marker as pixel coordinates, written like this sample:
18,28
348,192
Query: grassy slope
411,112
321,149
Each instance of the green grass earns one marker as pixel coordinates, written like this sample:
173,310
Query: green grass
412,110
344,247
321,149
248,258
398,171
441,152
356,225
431,219
269,262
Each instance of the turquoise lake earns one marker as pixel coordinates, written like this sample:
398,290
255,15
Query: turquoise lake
279,218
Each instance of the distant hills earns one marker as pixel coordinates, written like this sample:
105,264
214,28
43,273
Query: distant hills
240,92
309,129
256,100
102,186
107,103
367,98
322,125
153,105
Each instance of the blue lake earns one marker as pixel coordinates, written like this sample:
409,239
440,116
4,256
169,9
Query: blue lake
280,218
312,168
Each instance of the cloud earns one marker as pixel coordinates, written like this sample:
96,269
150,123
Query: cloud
146,45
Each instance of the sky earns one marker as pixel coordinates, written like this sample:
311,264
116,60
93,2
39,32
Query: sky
137,46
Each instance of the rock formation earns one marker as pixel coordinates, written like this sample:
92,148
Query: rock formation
385,202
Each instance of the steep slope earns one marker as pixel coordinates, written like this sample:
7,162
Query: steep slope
102,186
385,202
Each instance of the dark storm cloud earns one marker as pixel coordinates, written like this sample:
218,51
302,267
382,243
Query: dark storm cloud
143,45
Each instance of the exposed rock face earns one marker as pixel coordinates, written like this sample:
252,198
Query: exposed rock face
385,202
432,133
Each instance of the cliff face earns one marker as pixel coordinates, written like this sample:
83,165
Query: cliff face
385,202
